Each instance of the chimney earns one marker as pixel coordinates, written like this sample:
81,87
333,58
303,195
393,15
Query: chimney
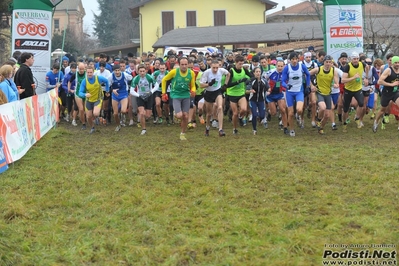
283,8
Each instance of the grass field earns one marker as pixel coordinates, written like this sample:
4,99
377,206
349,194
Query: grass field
117,198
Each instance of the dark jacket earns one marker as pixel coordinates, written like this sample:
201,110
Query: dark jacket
260,87
24,78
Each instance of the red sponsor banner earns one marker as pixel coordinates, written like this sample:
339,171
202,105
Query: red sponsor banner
346,31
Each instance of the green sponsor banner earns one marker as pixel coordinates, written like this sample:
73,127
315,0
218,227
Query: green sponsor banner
343,2
32,4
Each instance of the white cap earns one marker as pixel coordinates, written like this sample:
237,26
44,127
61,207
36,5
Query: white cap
355,55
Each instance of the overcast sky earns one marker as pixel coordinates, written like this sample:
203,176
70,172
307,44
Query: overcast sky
91,6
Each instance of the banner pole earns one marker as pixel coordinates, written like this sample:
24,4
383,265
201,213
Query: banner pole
60,60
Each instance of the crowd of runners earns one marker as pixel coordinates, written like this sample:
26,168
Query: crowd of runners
212,89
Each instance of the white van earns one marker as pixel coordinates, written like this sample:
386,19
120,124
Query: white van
187,50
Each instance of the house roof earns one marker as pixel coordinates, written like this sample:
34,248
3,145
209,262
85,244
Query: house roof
74,5
310,9
134,9
303,8
238,34
115,48
266,33
317,44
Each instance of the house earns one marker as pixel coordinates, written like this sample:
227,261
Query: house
69,14
157,17
310,10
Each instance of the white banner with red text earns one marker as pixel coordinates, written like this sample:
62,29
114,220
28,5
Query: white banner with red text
344,29
31,32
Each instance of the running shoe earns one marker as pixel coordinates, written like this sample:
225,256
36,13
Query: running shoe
131,123
244,121
358,123
250,118
372,115
375,126
206,132
118,128
314,124
348,120
215,124
83,127
74,123
286,131
386,119
202,120
265,124
321,131
383,125
182,136
92,130
138,125
155,120
143,132
280,125
160,120
221,133
292,133
334,127
190,125
254,132
235,132
344,129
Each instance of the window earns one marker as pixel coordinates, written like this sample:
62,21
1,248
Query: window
168,23
219,18
56,24
191,17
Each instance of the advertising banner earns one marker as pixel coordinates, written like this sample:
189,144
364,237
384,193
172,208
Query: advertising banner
344,29
31,32
24,122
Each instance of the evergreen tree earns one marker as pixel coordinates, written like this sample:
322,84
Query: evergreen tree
114,25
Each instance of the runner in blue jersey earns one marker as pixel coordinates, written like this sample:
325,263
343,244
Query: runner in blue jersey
119,90
275,93
292,81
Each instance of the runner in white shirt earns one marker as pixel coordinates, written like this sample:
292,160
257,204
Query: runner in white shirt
211,80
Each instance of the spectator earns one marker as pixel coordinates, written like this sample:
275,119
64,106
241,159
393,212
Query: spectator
24,76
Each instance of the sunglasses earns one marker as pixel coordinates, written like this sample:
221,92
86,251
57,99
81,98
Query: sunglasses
369,63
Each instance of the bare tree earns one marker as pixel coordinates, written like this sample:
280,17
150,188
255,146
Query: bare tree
381,35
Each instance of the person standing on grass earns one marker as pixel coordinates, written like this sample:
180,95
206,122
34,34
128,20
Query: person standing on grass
103,71
24,77
6,72
390,80
211,80
275,94
80,102
144,84
236,90
325,76
119,81
368,91
292,81
352,77
91,89
311,95
182,88
70,91
158,76
257,91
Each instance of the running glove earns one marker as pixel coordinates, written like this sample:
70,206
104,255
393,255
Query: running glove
165,97
213,81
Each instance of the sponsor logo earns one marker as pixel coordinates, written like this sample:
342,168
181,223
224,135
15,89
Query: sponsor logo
31,15
31,29
346,45
347,15
30,44
346,31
